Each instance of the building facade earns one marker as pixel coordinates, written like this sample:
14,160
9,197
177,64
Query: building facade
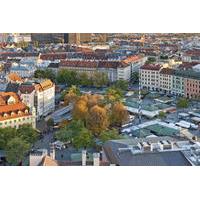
39,94
149,77
166,80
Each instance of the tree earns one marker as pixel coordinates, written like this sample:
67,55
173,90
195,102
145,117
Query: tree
94,100
68,77
84,139
47,73
182,103
67,133
28,134
162,115
72,95
121,84
80,110
150,60
6,134
113,95
97,119
64,134
84,79
109,135
100,79
16,150
119,114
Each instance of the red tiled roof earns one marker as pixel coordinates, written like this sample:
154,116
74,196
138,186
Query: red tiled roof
11,110
167,71
155,67
26,89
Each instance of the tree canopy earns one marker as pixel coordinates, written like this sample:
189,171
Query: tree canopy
97,119
182,103
109,135
47,73
119,114
16,150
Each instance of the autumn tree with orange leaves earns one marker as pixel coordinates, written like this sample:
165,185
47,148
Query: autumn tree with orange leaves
97,119
119,114
80,110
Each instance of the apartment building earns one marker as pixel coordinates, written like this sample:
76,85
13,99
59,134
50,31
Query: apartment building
191,56
149,76
178,83
115,70
13,112
39,94
182,81
166,80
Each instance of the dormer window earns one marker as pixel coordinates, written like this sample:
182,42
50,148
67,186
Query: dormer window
5,115
19,112
11,100
12,113
26,111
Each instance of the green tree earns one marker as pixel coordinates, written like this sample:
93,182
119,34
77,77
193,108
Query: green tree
112,134
6,134
28,134
182,103
16,150
162,115
100,79
121,84
47,73
84,79
65,134
84,139
113,95
68,77
68,132
151,60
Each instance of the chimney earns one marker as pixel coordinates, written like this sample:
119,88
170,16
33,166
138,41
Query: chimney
96,159
84,157
52,152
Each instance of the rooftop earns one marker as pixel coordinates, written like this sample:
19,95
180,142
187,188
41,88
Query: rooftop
121,152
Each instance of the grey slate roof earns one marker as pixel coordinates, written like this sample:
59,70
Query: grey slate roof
126,158
12,87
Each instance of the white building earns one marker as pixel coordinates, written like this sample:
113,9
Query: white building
39,94
149,76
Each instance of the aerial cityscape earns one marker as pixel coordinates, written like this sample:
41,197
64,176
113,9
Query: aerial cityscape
99,99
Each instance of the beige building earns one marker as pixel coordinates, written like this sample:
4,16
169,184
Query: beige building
115,70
